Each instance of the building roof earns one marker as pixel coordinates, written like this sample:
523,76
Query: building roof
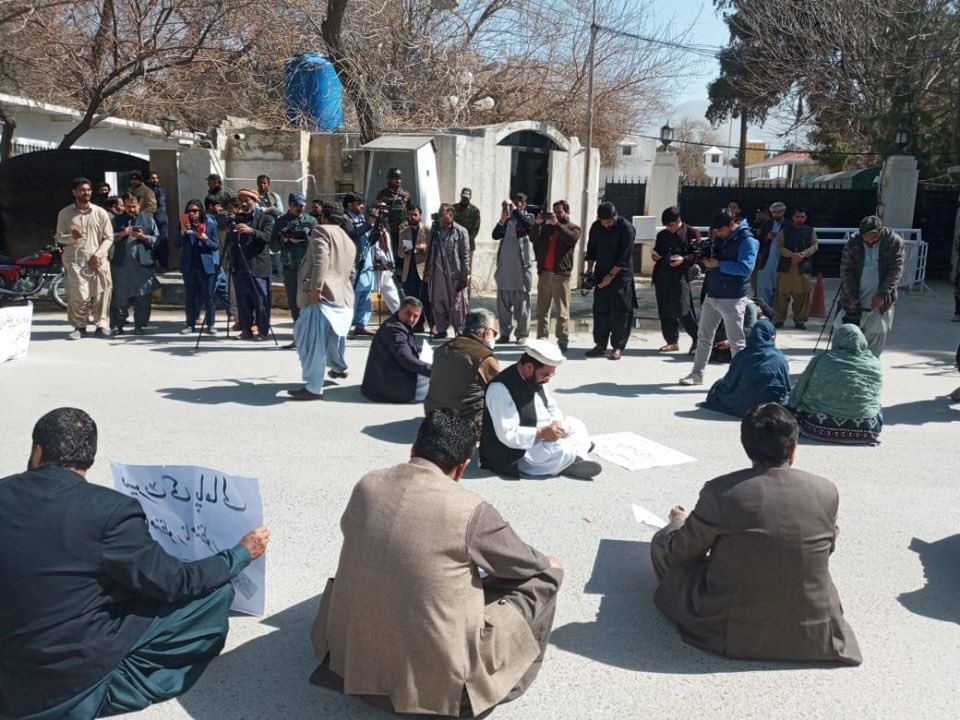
398,142
786,158
713,150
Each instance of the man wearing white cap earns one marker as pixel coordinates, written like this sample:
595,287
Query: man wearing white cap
524,431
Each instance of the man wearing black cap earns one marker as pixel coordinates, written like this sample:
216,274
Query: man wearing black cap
467,214
870,272
609,260
398,201
727,287
289,238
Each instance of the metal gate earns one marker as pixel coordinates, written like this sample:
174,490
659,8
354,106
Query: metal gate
936,215
630,198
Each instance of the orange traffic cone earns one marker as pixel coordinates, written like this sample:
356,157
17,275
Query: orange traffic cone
817,306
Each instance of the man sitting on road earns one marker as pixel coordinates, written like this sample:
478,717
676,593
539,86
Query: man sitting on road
746,574
463,367
95,618
438,606
395,373
524,430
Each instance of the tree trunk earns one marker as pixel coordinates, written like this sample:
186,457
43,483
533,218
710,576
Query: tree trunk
86,122
742,170
6,135
352,84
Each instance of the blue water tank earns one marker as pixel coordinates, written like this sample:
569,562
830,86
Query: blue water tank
314,93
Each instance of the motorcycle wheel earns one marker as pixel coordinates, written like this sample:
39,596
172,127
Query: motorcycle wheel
58,292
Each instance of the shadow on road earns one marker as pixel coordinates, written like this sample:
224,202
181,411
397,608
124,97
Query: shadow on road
630,633
612,389
920,412
401,432
941,568
702,413
255,392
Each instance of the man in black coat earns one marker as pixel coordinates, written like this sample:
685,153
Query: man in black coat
95,618
249,241
395,373
610,261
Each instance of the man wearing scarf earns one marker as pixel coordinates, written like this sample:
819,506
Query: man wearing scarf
249,242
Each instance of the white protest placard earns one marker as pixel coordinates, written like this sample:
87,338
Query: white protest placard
426,353
195,512
633,452
15,324
645,517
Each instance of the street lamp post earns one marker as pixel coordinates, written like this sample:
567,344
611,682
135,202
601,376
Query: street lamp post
168,124
901,138
585,202
666,136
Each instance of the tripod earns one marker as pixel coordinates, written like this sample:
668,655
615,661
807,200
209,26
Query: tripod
831,314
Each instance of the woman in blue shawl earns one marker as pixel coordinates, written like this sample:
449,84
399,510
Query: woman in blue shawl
757,374
837,399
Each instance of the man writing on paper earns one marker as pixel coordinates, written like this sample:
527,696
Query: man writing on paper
95,618
523,429
395,372
438,606
746,574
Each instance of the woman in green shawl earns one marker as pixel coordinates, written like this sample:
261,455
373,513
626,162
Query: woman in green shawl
837,399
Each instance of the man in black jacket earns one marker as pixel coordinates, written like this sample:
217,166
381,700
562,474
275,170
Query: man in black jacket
249,242
395,373
610,261
95,618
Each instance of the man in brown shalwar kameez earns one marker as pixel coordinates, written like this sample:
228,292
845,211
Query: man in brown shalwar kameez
438,606
764,591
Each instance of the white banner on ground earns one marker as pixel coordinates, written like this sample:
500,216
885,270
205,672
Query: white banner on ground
195,512
15,324
645,517
633,452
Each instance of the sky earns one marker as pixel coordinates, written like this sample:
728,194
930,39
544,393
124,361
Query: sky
690,101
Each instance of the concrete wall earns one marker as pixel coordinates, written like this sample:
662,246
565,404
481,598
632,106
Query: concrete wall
326,156
280,154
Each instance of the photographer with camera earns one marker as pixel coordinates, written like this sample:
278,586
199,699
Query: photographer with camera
384,265
248,238
554,239
289,238
727,286
675,254
513,274
397,201
609,260
132,266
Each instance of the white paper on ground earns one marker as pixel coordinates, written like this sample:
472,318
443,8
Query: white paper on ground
645,517
955,406
426,353
195,512
633,452
15,324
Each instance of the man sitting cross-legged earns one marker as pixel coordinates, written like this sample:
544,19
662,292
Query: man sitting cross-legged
438,606
95,618
746,574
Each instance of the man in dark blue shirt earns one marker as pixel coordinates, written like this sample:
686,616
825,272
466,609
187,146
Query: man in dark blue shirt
95,617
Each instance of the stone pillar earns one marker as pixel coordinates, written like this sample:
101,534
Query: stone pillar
898,191
664,184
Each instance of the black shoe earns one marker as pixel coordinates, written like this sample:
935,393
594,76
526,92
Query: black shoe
139,331
303,394
778,325
439,336
503,340
290,346
800,325
562,346
596,352
106,332
334,375
583,469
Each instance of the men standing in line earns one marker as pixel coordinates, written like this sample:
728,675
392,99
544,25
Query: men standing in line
746,574
143,194
609,260
394,372
524,430
408,623
398,202
463,367
133,268
448,273
85,231
675,252
162,250
795,245
325,297
554,240
514,259
412,248
727,288
249,242
96,619
870,273
768,259
467,214
289,237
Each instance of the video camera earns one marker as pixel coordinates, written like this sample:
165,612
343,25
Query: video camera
587,283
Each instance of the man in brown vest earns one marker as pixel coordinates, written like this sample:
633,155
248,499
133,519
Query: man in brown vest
796,244
746,574
438,606
463,367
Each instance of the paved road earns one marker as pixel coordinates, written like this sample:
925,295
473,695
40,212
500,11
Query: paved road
897,564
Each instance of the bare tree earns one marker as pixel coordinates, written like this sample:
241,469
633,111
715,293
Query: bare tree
694,137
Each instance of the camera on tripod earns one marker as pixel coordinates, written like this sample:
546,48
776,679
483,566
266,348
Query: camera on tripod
295,234
704,249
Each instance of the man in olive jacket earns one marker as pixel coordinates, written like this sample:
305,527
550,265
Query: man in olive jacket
438,606
554,240
746,574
